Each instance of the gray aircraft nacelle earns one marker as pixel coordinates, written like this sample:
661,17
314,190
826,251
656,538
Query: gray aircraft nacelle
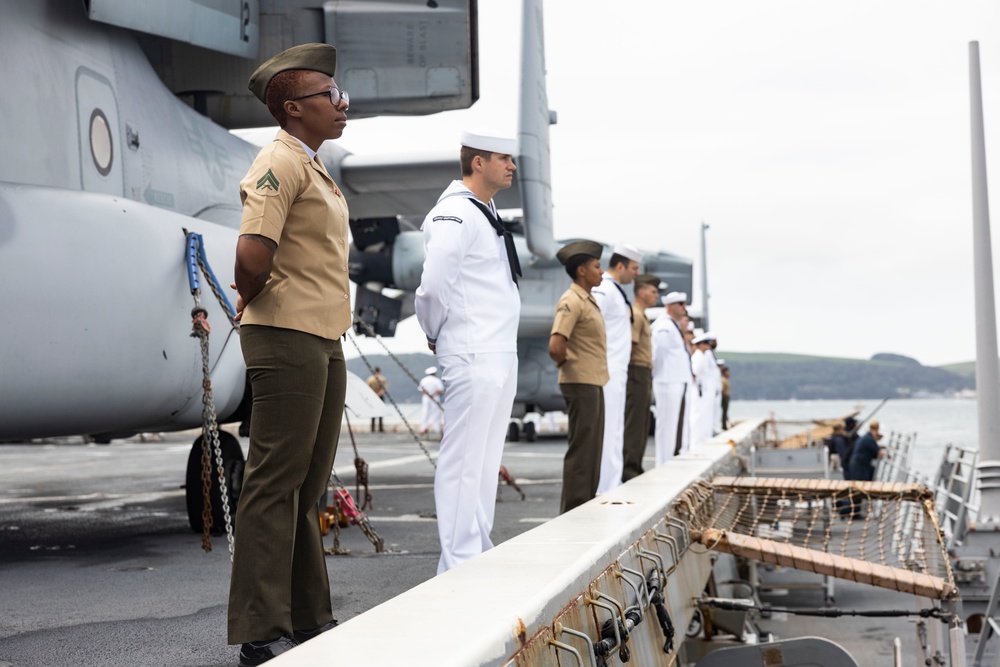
395,259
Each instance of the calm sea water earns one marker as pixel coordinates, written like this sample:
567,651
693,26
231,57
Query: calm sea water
935,421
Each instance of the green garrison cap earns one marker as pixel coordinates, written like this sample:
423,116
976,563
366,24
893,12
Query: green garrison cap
584,247
317,57
647,279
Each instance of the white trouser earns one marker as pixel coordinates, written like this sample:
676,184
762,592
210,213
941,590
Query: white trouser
701,415
479,394
431,418
668,397
612,452
717,409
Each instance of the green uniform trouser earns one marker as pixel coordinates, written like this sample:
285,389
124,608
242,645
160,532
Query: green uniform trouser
638,396
279,582
582,465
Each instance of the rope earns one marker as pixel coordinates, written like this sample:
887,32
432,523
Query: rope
196,260
371,369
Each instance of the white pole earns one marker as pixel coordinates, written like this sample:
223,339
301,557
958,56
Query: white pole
987,371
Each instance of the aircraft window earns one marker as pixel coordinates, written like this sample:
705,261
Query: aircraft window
100,142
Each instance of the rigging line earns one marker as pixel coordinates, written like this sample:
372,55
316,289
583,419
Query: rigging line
829,612
413,433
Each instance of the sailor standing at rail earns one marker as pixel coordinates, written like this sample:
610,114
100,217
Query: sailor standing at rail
431,389
468,306
716,378
617,311
702,363
671,379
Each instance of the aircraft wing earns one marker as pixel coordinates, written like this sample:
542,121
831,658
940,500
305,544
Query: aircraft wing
380,186
394,57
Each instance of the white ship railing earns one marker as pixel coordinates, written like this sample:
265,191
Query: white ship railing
541,597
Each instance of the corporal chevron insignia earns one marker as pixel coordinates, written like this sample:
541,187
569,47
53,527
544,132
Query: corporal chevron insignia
268,182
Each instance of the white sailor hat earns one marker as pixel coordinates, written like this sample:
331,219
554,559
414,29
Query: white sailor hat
701,338
431,370
489,141
675,297
627,251
691,327
721,362
709,335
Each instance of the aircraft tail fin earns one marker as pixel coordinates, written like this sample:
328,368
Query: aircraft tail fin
533,135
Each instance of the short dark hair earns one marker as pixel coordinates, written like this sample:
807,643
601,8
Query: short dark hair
283,87
617,259
378,370
466,155
575,262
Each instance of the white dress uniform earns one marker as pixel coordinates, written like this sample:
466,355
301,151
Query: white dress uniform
469,307
671,380
702,412
431,389
618,327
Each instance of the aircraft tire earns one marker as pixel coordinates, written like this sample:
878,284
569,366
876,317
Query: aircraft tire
234,464
513,432
529,431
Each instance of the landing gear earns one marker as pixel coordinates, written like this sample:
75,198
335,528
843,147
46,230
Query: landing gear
513,432
529,431
233,464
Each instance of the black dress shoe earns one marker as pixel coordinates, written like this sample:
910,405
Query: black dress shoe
257,653
302,636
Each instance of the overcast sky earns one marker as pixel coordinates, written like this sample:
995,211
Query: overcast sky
825,143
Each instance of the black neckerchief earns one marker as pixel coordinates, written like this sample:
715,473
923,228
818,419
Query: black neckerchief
508,239
631,315
678,327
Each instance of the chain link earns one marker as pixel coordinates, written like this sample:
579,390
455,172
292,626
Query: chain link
210,439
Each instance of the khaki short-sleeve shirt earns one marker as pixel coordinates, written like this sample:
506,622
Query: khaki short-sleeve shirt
579,320
292,200
642,340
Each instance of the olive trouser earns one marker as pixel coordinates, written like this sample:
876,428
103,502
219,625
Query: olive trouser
638,397
582,464
279,582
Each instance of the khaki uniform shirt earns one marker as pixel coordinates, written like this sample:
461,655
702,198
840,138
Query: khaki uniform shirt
378,384
292,200
725,386
642,340
579,319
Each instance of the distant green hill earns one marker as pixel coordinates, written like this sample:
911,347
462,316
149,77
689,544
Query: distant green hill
778,376
763,375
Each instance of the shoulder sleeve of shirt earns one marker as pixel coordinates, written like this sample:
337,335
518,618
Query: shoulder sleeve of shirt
269,189
568,313
445,244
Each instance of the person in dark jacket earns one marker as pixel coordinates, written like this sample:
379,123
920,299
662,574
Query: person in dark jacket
862,460
839,444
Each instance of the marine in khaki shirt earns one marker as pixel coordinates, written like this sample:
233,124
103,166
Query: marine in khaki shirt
639,388
308,287
579,321
578,346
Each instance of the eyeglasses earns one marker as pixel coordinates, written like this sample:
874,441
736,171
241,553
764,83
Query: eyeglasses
336,97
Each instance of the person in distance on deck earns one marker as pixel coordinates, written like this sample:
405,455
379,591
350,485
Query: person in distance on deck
469,307
577,344
431,389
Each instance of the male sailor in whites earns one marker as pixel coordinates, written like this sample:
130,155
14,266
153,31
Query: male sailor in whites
623,267
671,379
468,306
709,389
